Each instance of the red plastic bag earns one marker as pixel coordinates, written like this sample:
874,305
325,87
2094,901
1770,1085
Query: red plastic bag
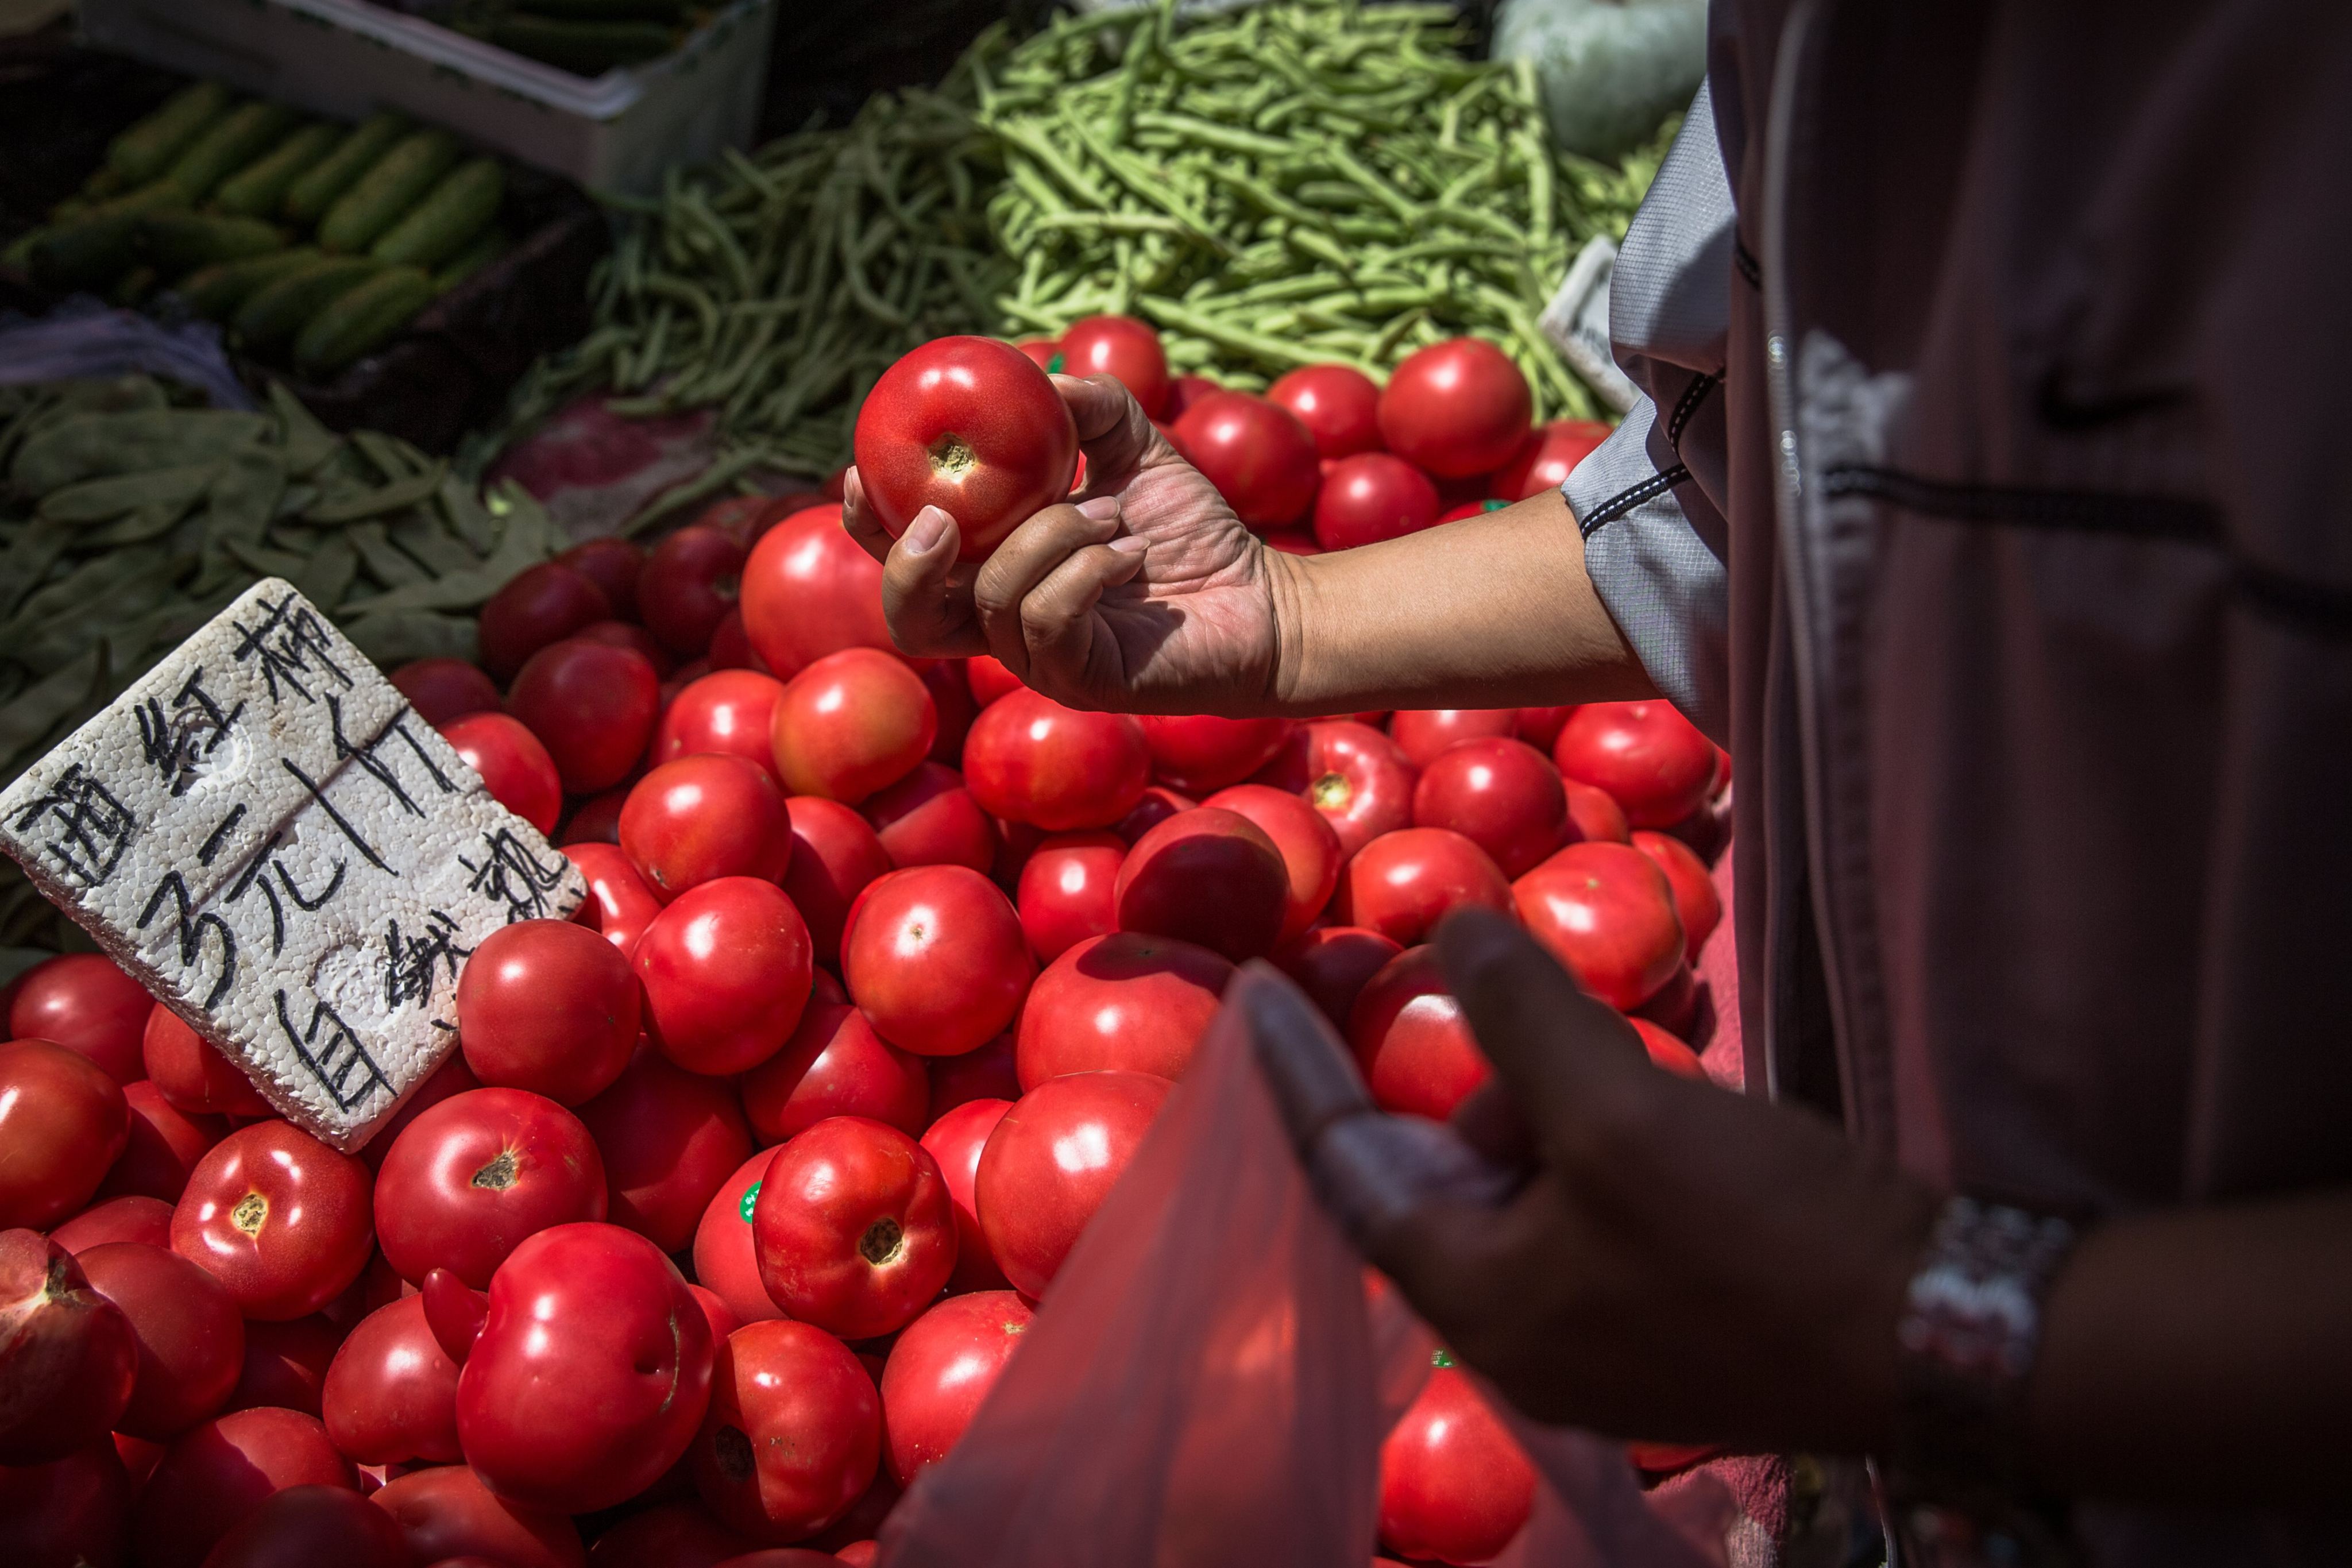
1205,1384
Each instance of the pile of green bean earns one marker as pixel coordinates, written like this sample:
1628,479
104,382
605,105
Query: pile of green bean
1291,184
129,519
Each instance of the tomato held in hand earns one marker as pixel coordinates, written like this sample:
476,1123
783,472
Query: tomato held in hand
1065,892
851,723
1308,843
727,972
935,959
1372,497
548,1006
1129,1001
1052,1160
1337,403
1402,883
513,766
1199,752
727,710
793,1433
1411,1041
63,1122
1651,760
955,1141
1351,774
1454,1486
970,425
84,1003
1457,408
391,1396
591,1372
1207,876
448,1515
929,818
668,1138
705,817
69,1357
1333,964
1607,913
854,1227
1696,902
1029,759
475,1176
726,1261
810,590
835,856
592,705
689,585
190,1340
277,1217
190,1072
836,1064
539,605
1124,348
1547,457
1503,795
940,1371
1257,453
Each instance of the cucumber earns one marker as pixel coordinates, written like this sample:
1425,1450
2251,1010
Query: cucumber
309,196
361,320
385,193
273,314
177,243
472,259
96,248
438,227
258,189
148,148
235,140
215,292
583,48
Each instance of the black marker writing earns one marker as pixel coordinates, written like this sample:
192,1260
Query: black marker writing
293,649
173,743
508,873
413,964
192,929
332,1053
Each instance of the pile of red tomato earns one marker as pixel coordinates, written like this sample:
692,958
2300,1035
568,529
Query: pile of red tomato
743,1186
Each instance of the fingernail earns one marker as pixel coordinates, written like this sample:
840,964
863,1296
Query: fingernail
1101,509
1129,544
924,532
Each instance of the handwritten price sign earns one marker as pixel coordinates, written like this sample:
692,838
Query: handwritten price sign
266,835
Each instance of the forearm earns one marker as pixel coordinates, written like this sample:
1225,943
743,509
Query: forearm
2203,1352
1493,611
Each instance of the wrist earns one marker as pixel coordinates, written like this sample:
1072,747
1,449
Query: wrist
1291,591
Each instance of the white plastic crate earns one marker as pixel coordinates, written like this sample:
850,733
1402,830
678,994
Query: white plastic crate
345,58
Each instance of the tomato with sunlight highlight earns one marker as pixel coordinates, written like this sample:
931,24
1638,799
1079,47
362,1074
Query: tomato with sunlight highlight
973,427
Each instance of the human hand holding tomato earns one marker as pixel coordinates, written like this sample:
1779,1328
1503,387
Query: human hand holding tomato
1143,593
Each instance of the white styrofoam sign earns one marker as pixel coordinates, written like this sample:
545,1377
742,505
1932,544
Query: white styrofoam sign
264,834
1576,323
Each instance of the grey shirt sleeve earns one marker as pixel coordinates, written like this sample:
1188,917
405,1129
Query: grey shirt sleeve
1647,500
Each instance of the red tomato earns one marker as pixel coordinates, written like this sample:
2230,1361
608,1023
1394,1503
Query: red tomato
164,1147
1184,391
1043,353
951,699
1350,773
68,1354
836,1064
613,565
1539,727
592,705
1371,497
517,770
702,817
850,723
1607,913
731,646
987,1073
1257,453
1052,1161
62,1122
1308,845
630,636
190,1072
1503,795
940,1370
1402,883
548,1006
854,1227
1133,1003
1207,876
1333,964
1453,1483
670,1138
391,1396
84,1003
131,1217
1411,1041
727,971
793,1433
595,820
988,679
1674,1005
303,1526
1547,457
1457,408
216,1474
1651,760
1124,348
1065,892
1425,734
285,1364
725,1260
936,960
441,689
810,590
1030,760
538,606
447,1514
836,855
277,1217
1199,752
689,585
190,1340
973,427
451,1079
955,1141
726,710
929,818
1159,802
1696,902
1337,403
1669,1052
473,1177
619,905
1594,814
591,1372
74,1512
